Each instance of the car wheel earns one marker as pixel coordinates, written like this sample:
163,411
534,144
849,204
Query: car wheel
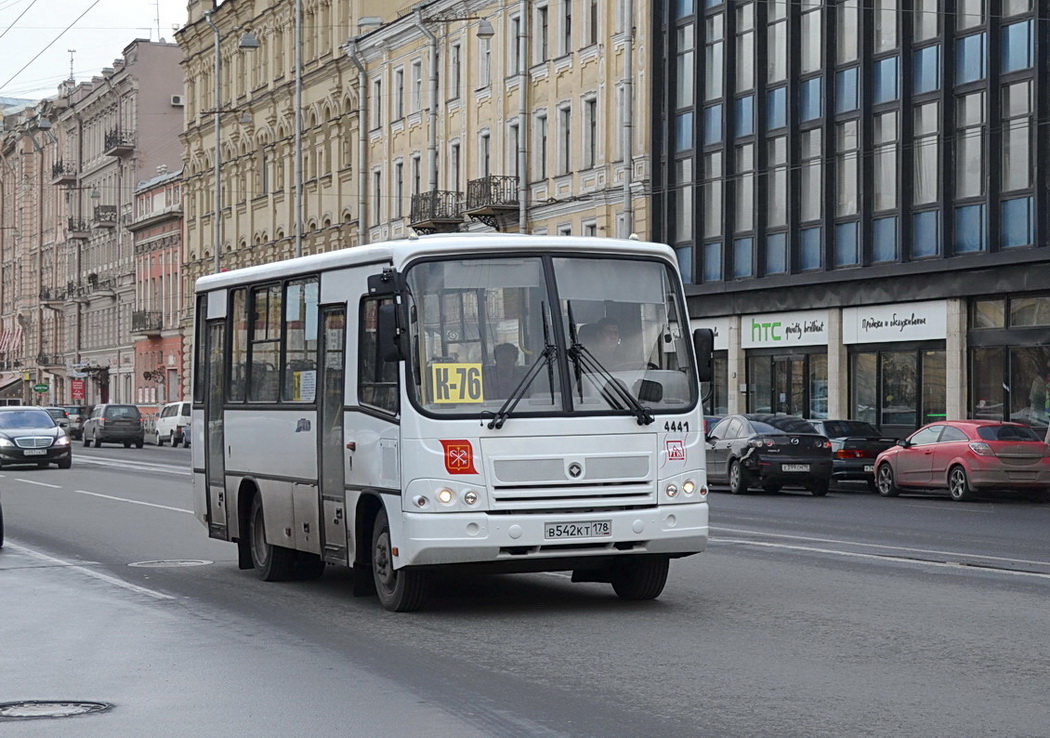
98,440
159,439
820,489
272,563
399,590
65,463
85,439
771,488
959,485
639,577
127,444
737,478
885,483
140,444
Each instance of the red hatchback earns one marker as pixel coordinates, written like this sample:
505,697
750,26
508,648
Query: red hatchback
965,458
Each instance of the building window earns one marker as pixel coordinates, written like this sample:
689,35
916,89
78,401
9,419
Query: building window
1017,46
885,174
745,47
566,26
745,193
926,234
927,153
847,244
454,167
684,256
886,86
713,61
565,140
1017,222
927,20
417,86
812,176
776,253
776,35
745,116
377,103
712,269
743,258
712,124
776,192
712,194
1017,136
683,132
685,83
927,69
812,41
590,132
1015,7
969,171
399,94
847,170
810,248
884,240
846,97
484,62
513,142
971,63
847,49
592,22
969,229
377,196
485,155
399,189
683,199
810,99
542,133
456,74
885,25
969,14
541,29
776,108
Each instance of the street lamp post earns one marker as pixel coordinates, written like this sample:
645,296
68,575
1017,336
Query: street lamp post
248,41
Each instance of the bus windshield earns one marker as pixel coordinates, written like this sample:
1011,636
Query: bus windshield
480,326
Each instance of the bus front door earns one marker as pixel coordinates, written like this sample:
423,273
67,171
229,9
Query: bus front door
214,444
331,454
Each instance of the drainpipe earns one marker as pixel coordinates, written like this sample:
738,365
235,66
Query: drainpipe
628,117
432,153
362,142
298,127
523,127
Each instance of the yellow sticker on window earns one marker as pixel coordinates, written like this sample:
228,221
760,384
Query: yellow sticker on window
456,383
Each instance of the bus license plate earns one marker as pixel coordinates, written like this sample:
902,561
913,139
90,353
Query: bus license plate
35,452
869,468
585,529
795,467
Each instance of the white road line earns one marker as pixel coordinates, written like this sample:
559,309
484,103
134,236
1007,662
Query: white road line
144,465
39,484
924,551
880,557
91,573
132,502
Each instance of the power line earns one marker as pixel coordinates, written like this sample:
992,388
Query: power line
52,43
17,19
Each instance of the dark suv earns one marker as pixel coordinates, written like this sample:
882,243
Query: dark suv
113,423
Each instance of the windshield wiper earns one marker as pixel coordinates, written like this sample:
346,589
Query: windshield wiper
547,356
613,389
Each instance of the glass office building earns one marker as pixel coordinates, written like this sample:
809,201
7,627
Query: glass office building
872,170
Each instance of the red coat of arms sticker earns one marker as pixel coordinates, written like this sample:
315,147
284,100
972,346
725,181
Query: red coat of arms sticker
459,457
675,451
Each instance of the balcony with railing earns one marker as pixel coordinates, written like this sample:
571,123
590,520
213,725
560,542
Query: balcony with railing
63,173
437,211
147,322
492,199
79,229
119,143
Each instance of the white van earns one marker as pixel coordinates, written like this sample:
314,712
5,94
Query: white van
173,424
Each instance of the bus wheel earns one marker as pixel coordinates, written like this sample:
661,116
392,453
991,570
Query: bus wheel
639,577
399,590
272,563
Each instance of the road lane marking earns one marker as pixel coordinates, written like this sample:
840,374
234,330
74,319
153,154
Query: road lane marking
133,502
91,573
40,484
885,557
924,551
144,465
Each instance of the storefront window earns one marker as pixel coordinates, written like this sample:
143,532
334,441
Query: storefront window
818,386
789,385
1029,311
1030,380
933,387
989,314
898,388
865,392
718,401
987,372
760,385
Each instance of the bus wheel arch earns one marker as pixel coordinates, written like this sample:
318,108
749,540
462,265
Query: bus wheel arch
271,563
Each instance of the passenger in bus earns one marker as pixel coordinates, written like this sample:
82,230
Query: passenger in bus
504,375
602,339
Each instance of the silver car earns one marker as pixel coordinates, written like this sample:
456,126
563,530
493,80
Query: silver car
60,416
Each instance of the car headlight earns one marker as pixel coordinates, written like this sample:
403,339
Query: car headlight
62,440
6,442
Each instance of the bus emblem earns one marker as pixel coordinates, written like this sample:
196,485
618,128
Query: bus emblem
575,470
675,451
459,457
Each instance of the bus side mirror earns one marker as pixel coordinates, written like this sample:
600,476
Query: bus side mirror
704,347
387,333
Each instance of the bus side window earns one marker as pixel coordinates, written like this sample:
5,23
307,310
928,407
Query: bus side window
377,380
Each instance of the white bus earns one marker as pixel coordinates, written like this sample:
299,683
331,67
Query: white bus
496,402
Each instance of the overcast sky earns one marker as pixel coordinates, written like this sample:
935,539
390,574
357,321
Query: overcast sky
40,33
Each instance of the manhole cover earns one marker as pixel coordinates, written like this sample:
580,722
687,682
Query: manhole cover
162,563
46,709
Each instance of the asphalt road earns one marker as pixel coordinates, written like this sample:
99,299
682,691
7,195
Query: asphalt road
844,615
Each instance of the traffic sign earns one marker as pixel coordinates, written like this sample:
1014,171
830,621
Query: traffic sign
40,387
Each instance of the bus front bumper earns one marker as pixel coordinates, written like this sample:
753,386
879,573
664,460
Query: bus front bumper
462,538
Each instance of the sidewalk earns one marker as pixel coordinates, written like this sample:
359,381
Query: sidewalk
71,634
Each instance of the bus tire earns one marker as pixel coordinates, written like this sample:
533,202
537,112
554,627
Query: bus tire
399,590
639,577
272,563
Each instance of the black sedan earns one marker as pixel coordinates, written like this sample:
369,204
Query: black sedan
29,435
768,451
854,446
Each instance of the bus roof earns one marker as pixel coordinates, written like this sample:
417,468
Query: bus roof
400,251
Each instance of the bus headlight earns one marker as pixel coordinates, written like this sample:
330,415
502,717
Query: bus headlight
444,495
470,497
689,486
672,490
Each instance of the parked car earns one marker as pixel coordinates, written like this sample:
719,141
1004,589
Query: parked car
966,458
173,424
113,423
29,435
854,446
60,416
77,415
1,525
768,451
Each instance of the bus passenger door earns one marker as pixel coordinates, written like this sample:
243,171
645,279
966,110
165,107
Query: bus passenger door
214,440
331,454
